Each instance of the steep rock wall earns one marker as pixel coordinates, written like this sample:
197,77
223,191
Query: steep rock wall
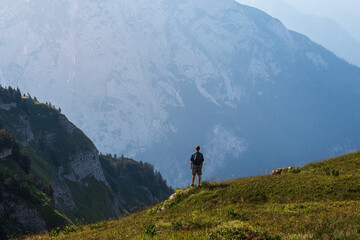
20,214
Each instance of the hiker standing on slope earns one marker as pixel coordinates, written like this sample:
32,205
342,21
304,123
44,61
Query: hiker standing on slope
196,164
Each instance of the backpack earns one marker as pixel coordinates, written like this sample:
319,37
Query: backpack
197,158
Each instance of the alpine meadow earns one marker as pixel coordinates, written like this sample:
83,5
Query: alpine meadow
316,201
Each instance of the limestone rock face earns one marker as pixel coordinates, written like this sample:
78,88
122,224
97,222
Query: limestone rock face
5,153
28,218
62,195
24,129
66,124
23,216
83,165
7,106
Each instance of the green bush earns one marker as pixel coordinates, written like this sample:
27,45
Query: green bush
69,229
295,170
150,229
55,233
232,213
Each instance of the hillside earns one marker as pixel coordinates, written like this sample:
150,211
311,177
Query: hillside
52,174
24,202
317,201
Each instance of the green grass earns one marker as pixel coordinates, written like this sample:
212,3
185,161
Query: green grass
308,203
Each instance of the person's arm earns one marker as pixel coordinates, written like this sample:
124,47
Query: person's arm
202,162
191,159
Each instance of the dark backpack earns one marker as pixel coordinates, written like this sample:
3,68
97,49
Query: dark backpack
198,158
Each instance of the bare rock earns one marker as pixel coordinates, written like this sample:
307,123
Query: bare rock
8,106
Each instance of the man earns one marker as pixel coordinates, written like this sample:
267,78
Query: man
196,164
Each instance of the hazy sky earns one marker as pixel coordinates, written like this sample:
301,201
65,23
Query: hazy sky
345,12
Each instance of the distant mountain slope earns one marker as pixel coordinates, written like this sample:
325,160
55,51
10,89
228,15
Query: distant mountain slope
322,30
317,201
153,79
61,170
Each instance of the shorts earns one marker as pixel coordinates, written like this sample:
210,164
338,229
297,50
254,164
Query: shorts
196,170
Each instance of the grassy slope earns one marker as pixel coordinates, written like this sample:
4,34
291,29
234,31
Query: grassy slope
311,204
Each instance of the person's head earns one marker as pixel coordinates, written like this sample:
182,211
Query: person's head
197,148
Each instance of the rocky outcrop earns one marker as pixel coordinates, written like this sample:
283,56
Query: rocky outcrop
27,218
80,166
7,106
24,129
66,124
279,171
62,195
83,165
5,153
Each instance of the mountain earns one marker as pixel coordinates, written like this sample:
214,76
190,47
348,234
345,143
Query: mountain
317,201
153,79
343,13
324,31
51,174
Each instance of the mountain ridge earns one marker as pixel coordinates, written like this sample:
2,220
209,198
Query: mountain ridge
52,174
319,29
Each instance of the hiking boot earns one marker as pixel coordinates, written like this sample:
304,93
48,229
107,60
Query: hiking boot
192,185
198,185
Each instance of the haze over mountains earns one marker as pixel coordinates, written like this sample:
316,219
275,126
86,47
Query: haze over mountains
346,13
152,79
322,28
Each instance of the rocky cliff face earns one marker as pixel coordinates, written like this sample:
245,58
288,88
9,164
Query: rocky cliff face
83,165
25,217
5,153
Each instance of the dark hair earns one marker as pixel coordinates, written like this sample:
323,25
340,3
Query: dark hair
197,147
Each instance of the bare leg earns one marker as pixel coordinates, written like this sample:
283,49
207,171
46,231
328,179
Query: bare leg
199,177
193,179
